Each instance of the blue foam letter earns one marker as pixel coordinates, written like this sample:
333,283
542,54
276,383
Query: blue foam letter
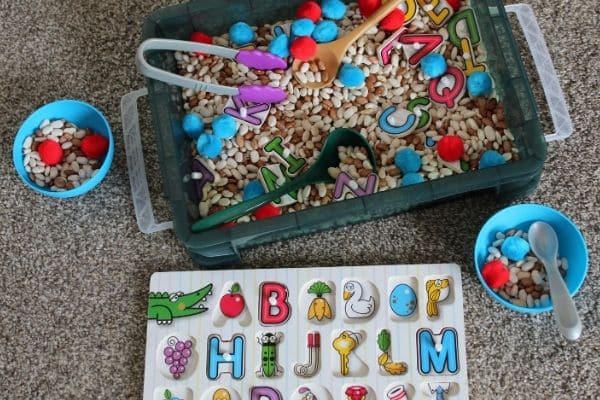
427,356
235,357
404,129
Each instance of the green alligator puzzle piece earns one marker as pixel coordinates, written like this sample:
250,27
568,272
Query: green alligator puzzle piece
163,307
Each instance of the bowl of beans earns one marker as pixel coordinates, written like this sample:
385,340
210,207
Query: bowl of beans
63,149
508,269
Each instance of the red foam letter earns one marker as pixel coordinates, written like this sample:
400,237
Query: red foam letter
274,307
430,43
448,94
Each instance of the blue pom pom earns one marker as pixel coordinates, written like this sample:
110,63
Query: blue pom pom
224,126
280,46
491,158
325,31
241,34
411,178
434,65
253,189
351,76
407,160
333,9
515,248
479,84
302,27
192,125
209,146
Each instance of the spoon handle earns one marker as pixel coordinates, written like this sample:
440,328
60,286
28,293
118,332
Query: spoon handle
565,313
373,20
246,207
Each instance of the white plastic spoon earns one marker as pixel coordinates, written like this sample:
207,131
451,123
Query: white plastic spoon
544,243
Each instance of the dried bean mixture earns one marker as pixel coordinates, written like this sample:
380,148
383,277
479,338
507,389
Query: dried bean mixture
74,169
307,116
527,285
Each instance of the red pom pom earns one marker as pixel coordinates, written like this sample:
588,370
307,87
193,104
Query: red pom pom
230,224
450,148
310,10
368,7
455,4
267,211
94,146
393,21
50,152
200,37
303,48
495,274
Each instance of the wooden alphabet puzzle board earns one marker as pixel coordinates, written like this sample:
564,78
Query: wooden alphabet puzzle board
350,333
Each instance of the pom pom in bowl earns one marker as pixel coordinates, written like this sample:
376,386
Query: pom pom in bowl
79,113
572,246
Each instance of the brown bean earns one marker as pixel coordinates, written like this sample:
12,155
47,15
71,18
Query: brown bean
393,171
526,282
60,182
363,172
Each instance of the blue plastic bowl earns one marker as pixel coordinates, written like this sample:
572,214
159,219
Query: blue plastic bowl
571,245
81,114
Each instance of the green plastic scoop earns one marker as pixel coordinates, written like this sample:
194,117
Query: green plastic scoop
316,174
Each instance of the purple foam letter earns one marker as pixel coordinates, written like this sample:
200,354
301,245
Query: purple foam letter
264,391
346,181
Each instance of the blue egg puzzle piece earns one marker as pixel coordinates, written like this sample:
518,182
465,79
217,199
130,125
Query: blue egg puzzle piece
403,300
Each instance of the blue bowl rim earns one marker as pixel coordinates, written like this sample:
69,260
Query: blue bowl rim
497,297
87,186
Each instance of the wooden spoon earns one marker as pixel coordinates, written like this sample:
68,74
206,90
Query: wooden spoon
331,54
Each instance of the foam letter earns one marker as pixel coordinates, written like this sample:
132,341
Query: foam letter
258,392
429,43
397,122
384,51
438,10
469,57
428,355
294,164
274,307
422,104
472,30
254,115
206,177
345,182
274,176
410,10
467,39
215,358
449,88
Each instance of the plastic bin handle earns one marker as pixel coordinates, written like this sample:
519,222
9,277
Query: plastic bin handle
563,126
136,166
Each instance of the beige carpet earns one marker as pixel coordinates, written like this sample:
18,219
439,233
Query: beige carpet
74,274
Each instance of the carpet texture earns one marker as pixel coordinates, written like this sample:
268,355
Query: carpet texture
74,274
